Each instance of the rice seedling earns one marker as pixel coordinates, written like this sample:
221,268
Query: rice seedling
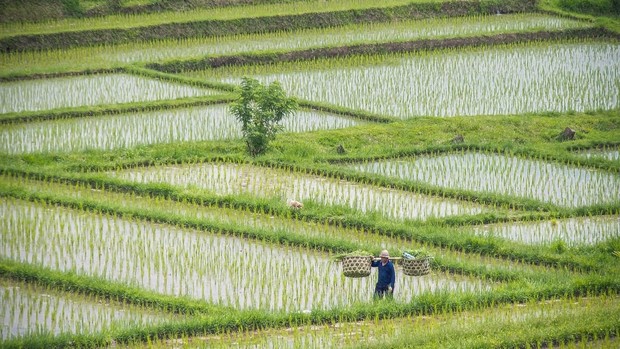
130,130
28,309
251,220
562,185
233,179
219,13
608,153
572,231
224,262
110,55
182,262
91,90
513,79
484,327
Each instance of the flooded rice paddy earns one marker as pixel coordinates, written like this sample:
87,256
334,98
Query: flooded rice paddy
302,39
130,130
607,153
562,185
29,309
183,262
233,179
421,331
250,220
89,90
517,79
572,231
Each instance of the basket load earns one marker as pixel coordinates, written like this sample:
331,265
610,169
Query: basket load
416,263
356,264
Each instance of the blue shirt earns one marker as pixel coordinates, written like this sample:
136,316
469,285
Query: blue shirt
387,276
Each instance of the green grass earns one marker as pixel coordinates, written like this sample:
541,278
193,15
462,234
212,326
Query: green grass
35,309
605,13
522,274
478,328
109,56
538,79
227,13
139,128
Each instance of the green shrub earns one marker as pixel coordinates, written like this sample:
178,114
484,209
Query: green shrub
260,109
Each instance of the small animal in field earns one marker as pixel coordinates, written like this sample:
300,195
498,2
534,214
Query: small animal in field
295,204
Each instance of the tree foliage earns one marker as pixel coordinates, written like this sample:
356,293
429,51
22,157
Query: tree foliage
260,109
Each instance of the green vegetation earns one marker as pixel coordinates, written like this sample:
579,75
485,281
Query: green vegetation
592,7
227,21
176,218
179,53
28,306
488,326
604,13
506,79
260,109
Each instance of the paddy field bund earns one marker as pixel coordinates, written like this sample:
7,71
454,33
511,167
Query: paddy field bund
131,215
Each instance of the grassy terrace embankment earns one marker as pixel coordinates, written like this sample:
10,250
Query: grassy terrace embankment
528,292
434,234
378,48
523,287
110,56
232,21
524,321
535,132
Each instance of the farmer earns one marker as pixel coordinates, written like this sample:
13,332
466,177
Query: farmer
387,276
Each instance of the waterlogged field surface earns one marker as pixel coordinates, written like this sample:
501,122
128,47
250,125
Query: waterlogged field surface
246,219
514,79
348,35
164,126
202,14
183,262
89,90
233,179
28,309
421,331
606,153
506,175
572,231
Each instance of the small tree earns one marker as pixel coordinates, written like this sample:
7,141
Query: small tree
260,109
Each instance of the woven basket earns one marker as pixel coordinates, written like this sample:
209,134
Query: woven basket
356,266
416,267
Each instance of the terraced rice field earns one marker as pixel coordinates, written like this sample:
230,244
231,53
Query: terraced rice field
130,130
434,28
132,215
226,12
483,81
572,231
29,309
423,332
91,90
266,227
227,179
507,175
177,262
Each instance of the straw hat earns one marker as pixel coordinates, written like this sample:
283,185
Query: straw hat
385,254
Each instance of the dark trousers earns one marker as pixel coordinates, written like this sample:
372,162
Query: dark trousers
382,291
